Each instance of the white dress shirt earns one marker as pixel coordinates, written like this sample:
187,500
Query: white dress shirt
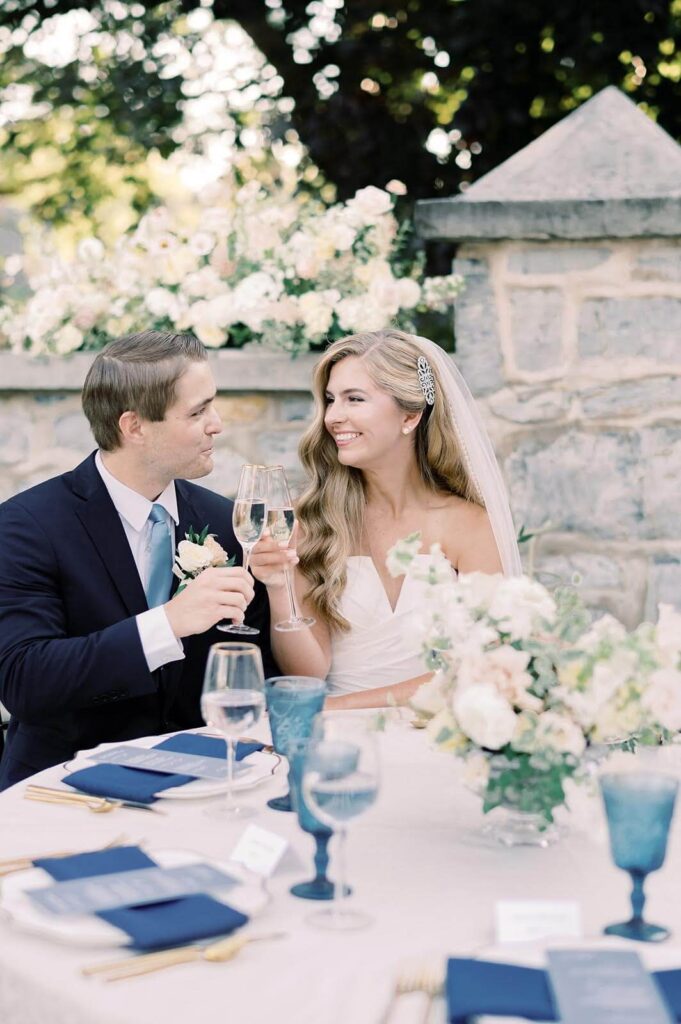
159,643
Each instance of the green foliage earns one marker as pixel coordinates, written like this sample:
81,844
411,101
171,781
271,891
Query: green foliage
519,782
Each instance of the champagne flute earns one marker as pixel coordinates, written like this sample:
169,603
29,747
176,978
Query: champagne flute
280,522
340,782
232,701
248,521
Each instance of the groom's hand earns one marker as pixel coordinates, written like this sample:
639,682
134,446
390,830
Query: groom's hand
214,595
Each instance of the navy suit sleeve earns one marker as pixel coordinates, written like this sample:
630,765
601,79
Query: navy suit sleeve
43,670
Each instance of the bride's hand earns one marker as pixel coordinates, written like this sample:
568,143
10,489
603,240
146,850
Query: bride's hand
268,561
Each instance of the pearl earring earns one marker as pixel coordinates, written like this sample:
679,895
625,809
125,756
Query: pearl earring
405,430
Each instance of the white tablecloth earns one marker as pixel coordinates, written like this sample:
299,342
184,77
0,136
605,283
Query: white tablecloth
417,864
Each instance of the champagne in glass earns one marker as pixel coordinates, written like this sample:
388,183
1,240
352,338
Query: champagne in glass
280,523
248,521
232,701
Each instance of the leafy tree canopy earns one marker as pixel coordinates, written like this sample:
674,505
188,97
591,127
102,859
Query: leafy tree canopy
427,94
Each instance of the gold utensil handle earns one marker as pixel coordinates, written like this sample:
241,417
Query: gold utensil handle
142,958
9,867
172,959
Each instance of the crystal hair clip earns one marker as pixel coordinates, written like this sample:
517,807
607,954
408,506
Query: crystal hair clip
426,379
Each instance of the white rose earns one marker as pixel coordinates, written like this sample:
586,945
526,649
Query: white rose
520,605
67,339
316,311
202,243
408,291
368,205
662,697
504,668
90,250
350,313
485,716
559,733
218,555
160,302
193,557
204,283
210,335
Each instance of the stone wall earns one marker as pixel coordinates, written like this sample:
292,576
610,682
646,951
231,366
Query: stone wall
264,403
574,350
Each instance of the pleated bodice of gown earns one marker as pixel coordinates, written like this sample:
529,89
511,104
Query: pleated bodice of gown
380,647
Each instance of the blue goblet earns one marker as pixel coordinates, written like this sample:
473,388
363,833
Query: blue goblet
320,887
639,809
292,703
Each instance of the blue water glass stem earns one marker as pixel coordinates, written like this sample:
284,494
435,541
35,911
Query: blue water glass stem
292,704
320,887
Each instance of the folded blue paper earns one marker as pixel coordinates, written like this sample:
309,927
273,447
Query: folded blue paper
478,988
121,783
154,925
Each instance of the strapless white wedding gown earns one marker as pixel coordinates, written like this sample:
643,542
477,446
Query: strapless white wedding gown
379,648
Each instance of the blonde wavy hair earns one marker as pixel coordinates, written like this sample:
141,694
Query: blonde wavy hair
331,509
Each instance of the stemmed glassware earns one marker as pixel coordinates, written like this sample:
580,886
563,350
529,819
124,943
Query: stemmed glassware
280,523
248,521
320,887
639,809
340,782
292,704
232,702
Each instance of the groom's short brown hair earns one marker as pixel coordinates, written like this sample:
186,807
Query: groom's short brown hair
136,373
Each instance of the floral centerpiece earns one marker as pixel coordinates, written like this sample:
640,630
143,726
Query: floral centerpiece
524,684
276,267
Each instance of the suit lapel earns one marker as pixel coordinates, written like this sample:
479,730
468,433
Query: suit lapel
103,525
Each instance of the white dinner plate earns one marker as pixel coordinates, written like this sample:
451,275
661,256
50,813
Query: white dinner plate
87,930
254,769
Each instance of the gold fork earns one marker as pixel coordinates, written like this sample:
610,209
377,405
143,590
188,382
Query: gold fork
420,978
96,804
9,867
214,952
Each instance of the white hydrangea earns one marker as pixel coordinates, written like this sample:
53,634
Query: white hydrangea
484,716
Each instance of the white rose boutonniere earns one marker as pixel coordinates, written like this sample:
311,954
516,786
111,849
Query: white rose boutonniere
198,551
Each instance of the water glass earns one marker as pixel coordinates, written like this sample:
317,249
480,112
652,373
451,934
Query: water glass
639,809
320,887
232,702
292,704
340,782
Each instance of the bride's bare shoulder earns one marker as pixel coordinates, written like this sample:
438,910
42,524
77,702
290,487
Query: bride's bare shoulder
470,543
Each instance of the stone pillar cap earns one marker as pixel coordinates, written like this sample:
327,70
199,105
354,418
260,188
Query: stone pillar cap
605,171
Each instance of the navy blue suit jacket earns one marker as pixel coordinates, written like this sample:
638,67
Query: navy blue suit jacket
72,669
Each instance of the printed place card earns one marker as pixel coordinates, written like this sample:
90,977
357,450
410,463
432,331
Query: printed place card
130,888
167,761
259,850
529,920
604,987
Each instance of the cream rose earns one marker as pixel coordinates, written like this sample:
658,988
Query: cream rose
193,557
485,716
218,554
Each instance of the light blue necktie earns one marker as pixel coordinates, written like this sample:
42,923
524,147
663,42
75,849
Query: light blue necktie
160,567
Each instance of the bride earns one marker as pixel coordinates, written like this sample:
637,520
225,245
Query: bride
396,446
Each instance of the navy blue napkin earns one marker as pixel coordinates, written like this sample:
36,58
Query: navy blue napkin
153,925
478,987
122,783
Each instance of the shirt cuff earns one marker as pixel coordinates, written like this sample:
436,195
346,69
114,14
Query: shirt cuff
159,643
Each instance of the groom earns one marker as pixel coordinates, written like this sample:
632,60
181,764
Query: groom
92,648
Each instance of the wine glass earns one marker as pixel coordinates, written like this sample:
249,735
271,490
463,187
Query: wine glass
248,521
639,809
292,704
320,887
280,522
340,782
232,702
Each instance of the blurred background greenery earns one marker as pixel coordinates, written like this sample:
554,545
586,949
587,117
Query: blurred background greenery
106,107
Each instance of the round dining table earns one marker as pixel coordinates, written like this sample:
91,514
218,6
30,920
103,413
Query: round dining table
418,864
